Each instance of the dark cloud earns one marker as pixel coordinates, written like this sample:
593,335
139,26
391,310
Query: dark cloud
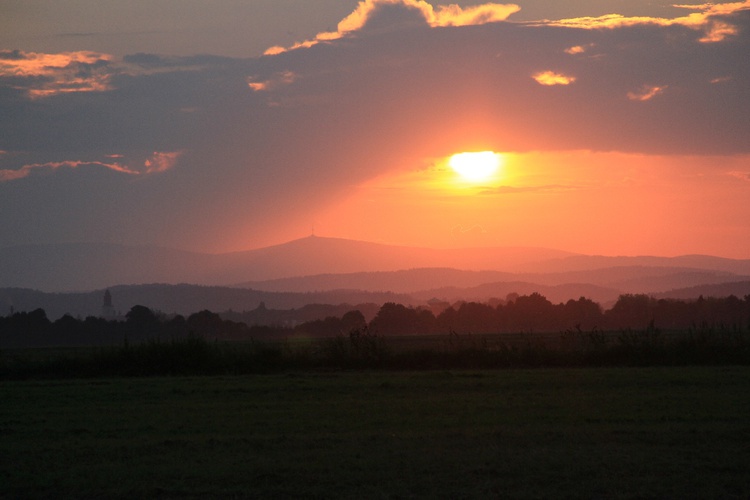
12,55
386,17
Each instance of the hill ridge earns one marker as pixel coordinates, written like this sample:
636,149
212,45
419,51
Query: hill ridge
91,266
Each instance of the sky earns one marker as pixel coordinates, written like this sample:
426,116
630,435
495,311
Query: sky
618,127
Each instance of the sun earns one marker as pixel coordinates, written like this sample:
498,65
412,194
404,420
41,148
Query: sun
475,166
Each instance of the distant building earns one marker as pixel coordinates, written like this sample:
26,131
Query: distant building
108,310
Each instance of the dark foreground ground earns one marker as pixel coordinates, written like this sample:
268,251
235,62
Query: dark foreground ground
677,432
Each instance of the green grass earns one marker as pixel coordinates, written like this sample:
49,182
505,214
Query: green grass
584,433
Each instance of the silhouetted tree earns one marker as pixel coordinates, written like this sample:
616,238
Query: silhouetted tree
632,311
397,319
353,320
175,327
67,329
141,322
476,318
531,313
205,324
447,321
584,314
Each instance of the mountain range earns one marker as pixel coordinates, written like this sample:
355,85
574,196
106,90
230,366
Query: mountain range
83,266
71,277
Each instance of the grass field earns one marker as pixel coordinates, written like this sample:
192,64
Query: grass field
591,433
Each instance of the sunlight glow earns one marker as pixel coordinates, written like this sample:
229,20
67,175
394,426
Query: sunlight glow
475,167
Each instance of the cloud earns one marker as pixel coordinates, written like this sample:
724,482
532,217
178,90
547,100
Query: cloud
377,16
282,78
706,20
158,162
453,15
577,49
721,79
712,8
549,78
610,66
42,75
646,92
26,170
718,31
16,62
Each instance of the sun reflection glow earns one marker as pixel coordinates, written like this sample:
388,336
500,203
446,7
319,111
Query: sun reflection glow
475,166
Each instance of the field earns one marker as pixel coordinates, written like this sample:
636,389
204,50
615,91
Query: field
676,432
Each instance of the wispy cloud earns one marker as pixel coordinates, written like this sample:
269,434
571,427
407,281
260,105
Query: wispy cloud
26,170
551,188
721,79
460,230
158,162
705,20
646,92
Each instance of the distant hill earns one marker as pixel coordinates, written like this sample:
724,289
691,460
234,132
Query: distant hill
739,289
83,266
401,281
317,255
574,263
631,279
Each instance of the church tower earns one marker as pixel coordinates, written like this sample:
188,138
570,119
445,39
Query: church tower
108,311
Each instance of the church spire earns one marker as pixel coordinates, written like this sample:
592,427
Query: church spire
108,311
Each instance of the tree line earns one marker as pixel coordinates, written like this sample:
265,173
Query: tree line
526,313
534,313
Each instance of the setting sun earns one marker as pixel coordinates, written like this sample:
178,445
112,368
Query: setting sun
476,166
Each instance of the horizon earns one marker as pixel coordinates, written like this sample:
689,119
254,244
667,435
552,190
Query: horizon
604,128
81,266
379,243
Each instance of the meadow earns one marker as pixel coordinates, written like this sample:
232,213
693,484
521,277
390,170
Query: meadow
616,432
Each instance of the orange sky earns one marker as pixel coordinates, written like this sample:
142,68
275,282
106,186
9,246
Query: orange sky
602,203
